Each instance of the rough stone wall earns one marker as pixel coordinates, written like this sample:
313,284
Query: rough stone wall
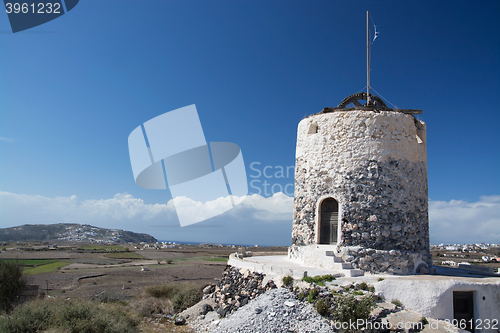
375,165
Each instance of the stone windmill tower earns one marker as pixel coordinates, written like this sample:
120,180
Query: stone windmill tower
361,188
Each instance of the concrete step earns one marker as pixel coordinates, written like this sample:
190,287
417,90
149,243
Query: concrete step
346,265
353,272
334,256
342,265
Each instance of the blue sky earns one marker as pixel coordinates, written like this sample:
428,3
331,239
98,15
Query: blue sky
73,89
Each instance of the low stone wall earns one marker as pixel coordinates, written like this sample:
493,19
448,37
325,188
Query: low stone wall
386,261
262,268
237,287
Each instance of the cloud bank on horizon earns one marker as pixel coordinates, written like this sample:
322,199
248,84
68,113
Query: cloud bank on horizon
257,220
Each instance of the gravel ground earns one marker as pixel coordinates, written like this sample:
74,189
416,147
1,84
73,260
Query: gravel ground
275,311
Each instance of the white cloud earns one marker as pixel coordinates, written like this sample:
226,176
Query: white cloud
21,208
7,139
459,221
276,208
244,224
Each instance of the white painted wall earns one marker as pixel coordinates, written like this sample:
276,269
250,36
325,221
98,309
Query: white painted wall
433,296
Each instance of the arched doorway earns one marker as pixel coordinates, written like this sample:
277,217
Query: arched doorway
329,221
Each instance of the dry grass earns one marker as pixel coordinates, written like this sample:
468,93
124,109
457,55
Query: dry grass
182,295
150,305
69,316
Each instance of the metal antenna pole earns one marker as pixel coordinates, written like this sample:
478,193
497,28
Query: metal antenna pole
367,59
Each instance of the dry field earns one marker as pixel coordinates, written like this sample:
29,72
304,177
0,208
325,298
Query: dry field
114,273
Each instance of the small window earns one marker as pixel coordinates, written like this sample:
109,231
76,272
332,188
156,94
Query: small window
313,129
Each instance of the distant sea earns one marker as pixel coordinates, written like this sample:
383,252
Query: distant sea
198,243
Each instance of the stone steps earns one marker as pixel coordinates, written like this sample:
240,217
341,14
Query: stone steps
345,267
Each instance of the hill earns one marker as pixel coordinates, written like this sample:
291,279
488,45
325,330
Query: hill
71,232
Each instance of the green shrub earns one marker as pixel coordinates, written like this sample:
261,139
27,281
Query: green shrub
397,303
424,321
371,289
287,280
363,286
313,293
318,278
70,316
358,292
182,295
322,307
380,279
349,309
328,278
11,284
308,279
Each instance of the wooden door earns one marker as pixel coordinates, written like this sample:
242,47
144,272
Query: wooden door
329,222
463,309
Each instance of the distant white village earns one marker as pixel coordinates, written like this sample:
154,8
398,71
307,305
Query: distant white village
464,249
474,248
90,234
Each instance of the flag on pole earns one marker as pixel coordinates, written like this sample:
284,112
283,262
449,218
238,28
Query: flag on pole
376,33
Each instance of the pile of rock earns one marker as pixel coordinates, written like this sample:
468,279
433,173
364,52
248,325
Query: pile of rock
236,288
276,311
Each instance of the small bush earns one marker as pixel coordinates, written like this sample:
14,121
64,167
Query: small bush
71,316
318,278
170,261
380,279
322,307
308,279
182,295
371,289
11,284
328,278
358,293
363,286
397,303
287,280
424,321
313,293
348,309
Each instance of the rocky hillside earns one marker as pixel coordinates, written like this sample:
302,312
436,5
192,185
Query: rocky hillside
71,232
